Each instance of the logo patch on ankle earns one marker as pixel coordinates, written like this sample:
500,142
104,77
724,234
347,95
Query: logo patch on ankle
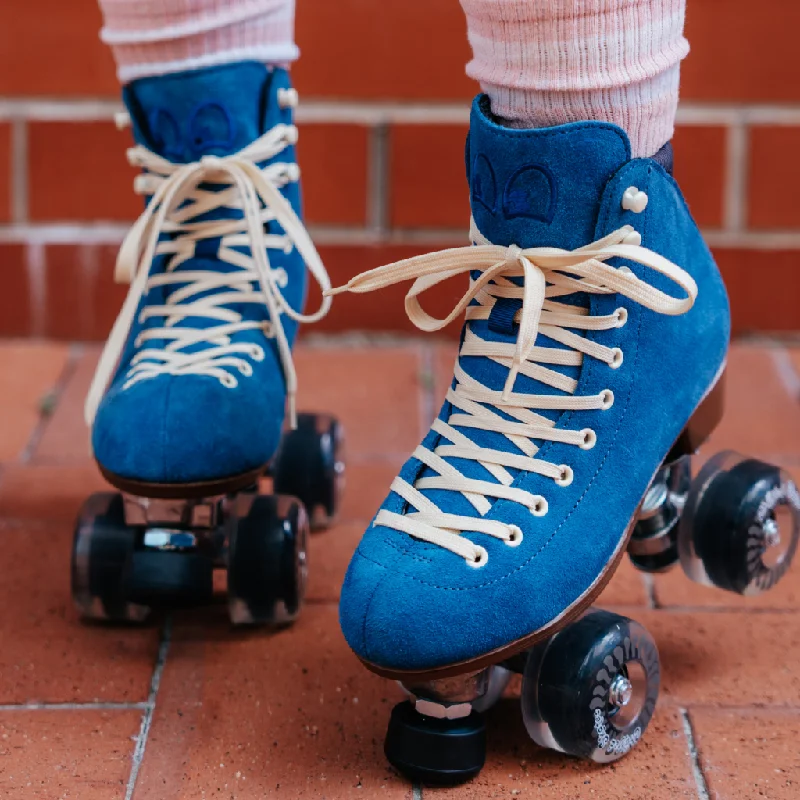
531,192
209,128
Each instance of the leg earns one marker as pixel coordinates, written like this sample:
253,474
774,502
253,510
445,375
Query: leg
187,404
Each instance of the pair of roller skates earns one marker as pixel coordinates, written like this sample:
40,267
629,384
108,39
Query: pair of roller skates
187,405
590,369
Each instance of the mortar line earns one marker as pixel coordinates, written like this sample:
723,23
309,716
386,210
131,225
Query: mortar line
150,706
378,180
650,590
694,756
736,167
99,706
19,171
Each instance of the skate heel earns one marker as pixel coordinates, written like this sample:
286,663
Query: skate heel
701,424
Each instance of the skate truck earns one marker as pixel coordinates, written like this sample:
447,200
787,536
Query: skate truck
143,548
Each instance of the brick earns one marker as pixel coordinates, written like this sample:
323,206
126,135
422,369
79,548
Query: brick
656,769
374,392
47,492
726,658
82,299
383,51
749,752
33,35
773,174
742,52
384,310
48,655
15,299
427,177
748,275
28,372
251,716
78,171
333,159
59,753
5,172
700,170
65,439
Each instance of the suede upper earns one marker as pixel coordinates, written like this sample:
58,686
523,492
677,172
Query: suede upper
410,605
187,428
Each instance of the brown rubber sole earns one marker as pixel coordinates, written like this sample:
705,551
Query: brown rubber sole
697,430
184,491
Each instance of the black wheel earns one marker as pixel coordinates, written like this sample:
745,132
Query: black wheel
170,578
653,546
591,690
741,525
309,465
268,562
102,548
435,751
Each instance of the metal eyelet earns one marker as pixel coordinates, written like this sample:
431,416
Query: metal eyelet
589,439
616,359
515,536
606,399
480,558
566,476
539,508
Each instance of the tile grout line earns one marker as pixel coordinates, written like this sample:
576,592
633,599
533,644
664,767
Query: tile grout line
100,706
416,791
54,396
786,371
650,590
147,717
427,393
699,778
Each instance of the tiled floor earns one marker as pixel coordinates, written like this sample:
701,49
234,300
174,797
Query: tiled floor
187,708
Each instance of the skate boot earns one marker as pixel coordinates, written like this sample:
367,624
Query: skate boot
590,364
188,402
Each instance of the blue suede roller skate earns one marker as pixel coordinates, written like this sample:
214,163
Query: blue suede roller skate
188,402
590,368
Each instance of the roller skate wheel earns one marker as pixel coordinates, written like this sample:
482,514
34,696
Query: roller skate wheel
102,549
268,562
740,526
591,690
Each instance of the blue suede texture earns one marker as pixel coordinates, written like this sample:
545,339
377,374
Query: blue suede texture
409,605
183,429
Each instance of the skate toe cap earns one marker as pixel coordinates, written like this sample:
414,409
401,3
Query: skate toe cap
183,430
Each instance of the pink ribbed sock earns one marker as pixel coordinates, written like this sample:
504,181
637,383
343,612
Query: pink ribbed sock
153,37
547,62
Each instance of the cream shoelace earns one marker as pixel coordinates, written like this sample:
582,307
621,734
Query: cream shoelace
176,198
548,273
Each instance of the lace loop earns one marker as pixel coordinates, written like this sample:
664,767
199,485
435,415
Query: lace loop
177,197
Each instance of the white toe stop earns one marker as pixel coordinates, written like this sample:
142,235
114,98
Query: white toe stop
429,708
634,200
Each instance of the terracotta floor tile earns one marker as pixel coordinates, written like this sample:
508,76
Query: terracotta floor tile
761,417
367,486
329,555
626,588
66,754
47,653
65,438
374,391
657,768
747,754
28,371
727,658
47,491
290,715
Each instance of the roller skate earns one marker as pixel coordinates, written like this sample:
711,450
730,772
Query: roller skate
187,406
590,368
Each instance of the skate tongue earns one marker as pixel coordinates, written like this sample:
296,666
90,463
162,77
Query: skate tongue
213,111
540,187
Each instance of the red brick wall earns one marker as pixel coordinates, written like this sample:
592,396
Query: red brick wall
383,118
